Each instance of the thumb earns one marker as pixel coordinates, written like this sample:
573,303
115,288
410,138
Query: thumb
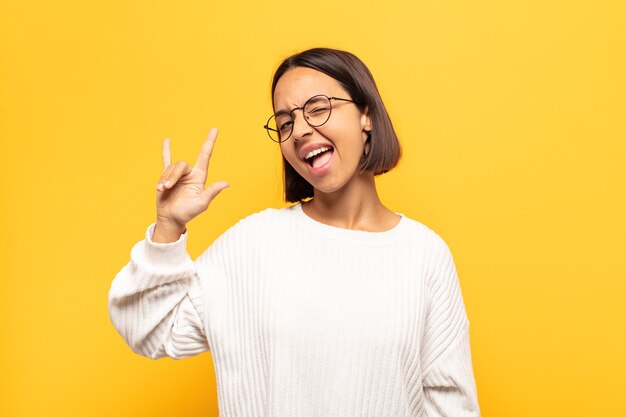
213,190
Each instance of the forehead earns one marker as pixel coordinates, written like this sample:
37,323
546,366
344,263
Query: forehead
299,84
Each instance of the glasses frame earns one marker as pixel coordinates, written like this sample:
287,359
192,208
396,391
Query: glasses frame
330,100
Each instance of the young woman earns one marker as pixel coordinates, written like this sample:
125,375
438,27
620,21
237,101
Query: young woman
334,306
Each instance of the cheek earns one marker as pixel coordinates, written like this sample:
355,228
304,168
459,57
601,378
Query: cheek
347,134
289,154
350,144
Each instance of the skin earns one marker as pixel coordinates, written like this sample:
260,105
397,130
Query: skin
343,197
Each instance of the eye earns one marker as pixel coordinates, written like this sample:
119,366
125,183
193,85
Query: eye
318,109
285,126
317,106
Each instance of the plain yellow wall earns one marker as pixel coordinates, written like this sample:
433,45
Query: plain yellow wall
512,120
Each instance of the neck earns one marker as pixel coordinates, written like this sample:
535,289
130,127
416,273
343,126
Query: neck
355,206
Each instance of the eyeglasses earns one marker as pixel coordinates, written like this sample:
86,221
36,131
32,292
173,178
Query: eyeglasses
316,112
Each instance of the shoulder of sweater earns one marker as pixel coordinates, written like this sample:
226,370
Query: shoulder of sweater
261,218
255,223
438,255
246,234
441,263
421,230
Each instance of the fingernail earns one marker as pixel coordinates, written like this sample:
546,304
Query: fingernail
160,187
167,183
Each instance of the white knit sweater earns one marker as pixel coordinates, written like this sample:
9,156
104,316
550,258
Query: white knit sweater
304,319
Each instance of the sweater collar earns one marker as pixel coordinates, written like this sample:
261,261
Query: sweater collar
349,235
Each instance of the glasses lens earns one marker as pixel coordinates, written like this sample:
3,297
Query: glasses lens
279,128
317,110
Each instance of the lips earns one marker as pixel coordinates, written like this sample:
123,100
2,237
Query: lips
312,147
316,152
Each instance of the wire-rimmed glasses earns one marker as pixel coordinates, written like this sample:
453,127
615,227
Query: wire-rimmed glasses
316,112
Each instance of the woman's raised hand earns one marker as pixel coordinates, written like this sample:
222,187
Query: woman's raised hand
181,194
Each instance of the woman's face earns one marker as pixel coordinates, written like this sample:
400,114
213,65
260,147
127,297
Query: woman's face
343,135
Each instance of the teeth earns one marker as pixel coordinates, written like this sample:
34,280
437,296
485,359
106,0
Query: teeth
316,151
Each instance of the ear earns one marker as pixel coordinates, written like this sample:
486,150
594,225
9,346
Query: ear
366,122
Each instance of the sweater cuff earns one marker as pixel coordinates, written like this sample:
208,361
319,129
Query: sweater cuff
165,255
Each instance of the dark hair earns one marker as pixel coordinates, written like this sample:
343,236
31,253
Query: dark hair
384,152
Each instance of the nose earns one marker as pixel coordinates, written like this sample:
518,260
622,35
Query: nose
300,126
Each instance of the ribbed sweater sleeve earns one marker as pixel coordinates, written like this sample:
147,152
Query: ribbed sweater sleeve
447,374
156,300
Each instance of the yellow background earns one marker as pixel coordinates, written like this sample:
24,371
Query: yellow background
512,120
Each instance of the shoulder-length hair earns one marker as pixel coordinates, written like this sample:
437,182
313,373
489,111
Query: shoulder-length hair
384,152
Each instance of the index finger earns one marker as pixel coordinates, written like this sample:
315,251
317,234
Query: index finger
167,156
202,162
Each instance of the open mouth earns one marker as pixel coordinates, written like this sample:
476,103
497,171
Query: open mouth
319,157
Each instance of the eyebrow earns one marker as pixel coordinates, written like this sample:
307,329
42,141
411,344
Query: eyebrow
281,112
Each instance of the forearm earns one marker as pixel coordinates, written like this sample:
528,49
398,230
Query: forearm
149,296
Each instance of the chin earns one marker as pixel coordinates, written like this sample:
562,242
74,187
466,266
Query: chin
327,188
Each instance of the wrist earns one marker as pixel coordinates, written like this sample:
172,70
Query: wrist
166,231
